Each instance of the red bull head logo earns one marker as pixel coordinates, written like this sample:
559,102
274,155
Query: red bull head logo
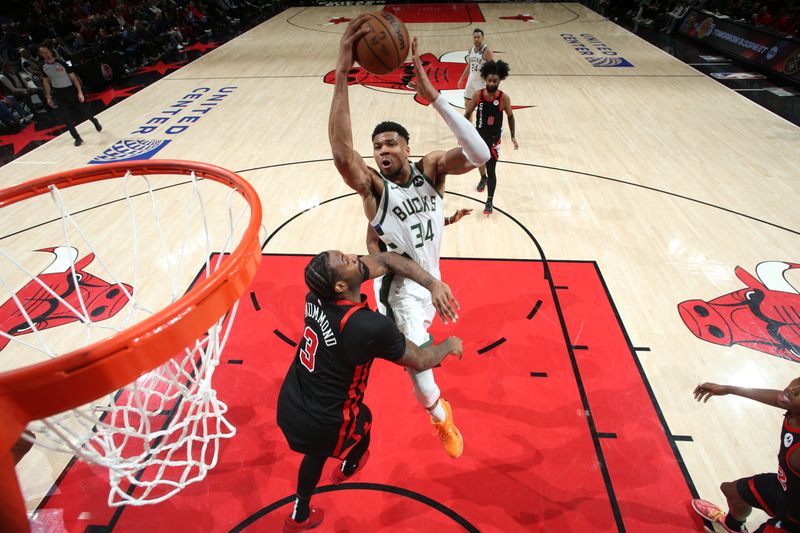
443,72
75,292
764,316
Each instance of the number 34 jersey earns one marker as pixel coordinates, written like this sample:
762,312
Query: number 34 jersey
410,220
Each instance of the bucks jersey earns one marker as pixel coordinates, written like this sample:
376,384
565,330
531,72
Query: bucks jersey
410,220
475,61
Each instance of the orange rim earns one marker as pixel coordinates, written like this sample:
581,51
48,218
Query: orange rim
80,376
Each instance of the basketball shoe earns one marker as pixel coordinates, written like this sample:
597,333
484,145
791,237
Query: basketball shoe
337,476
482,184
711,512
448,432
488,208
314,519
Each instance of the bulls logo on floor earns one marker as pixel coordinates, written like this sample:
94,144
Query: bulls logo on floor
764,316
53,299
443,71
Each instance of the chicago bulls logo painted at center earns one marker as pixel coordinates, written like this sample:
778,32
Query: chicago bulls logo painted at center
443,72
764,316
101,299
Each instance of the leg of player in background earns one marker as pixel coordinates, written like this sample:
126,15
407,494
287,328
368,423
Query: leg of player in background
484,178
491,172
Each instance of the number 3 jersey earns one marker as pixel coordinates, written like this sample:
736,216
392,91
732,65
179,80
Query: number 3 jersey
322,394
410,220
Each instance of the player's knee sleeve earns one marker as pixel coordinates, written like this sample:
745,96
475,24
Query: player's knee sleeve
425,389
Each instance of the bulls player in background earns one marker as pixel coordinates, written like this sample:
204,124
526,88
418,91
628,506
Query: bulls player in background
321,408
489,105
777,494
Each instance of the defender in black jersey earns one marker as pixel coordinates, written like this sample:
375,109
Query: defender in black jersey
489,104
777,494
321,408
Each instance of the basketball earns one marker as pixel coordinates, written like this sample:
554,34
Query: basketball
386,46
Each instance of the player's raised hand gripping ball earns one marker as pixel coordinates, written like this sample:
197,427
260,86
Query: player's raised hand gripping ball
385,47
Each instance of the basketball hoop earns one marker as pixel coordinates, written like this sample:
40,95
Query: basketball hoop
140,400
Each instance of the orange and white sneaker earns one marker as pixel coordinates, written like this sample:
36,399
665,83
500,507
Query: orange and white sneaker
314,519
448,432
713,513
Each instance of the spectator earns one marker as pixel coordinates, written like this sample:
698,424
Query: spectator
762,19
675,16
13,85
8,107
782,23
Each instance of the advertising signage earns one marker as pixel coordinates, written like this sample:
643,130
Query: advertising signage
767,50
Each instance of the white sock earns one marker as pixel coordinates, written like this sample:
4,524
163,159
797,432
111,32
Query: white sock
438,413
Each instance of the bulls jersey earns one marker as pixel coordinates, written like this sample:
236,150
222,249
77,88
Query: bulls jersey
321,400
475,61
410,220
788,477
489,117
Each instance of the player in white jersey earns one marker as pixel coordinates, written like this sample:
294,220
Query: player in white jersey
403,201
478,55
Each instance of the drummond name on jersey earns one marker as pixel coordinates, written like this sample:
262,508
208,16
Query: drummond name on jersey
412,206
318,315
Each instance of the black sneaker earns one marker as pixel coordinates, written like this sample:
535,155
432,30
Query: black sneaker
487,209
97,125
78,141
482,184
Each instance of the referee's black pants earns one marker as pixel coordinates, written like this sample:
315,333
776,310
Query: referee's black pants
71,110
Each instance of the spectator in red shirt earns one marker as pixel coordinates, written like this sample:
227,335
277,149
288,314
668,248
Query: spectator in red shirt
782,23
762,19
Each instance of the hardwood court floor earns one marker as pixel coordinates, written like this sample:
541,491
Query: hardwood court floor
663,178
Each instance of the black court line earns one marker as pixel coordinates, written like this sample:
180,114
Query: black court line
284,338
606,435
670,438
328,159
235,361
580,347
615,76
492,346
254,299
657,190
561,287
682,438
538,374
378,487
534,310
641,349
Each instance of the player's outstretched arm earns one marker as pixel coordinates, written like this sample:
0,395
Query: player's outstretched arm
473,151
441,295
703,392
420,359
340,132
459,214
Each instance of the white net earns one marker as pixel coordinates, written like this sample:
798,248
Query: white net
161,432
